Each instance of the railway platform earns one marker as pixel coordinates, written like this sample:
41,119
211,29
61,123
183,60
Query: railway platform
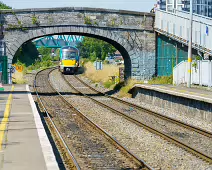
200,94
194,103
24,143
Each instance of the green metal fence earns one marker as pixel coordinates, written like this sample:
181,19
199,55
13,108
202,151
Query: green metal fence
169,54
3,69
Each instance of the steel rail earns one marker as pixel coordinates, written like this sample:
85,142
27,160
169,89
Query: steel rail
143,164
180,123
53,124
203,156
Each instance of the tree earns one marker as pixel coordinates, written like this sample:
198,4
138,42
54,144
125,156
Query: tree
27,54
93,48
4,6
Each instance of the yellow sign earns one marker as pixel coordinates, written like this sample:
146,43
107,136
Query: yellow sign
18,68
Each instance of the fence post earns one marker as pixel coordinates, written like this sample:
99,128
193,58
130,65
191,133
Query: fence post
209,74
201,73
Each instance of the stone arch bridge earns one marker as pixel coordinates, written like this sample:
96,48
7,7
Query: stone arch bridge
130,32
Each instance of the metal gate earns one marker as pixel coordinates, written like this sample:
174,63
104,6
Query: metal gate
169,54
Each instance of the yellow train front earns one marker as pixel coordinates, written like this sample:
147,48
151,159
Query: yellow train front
69,59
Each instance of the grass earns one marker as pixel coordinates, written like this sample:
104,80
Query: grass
18,78
131,82
102,76
129,85
161,80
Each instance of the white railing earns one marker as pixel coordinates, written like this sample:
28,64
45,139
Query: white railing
176,25
201,73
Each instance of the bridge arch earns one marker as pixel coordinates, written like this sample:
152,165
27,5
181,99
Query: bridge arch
61,30
129,32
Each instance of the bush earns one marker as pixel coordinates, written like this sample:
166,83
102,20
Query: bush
41,64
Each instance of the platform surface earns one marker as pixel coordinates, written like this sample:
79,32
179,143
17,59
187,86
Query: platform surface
201,93
3,100
25,145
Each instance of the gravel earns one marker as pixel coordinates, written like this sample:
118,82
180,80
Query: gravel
91,149
191,138
167,112
156,151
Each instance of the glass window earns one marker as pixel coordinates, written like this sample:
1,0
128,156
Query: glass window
69,55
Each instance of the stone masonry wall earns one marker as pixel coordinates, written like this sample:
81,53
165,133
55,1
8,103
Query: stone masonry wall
130,32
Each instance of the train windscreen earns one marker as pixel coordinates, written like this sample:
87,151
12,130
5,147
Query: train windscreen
67,55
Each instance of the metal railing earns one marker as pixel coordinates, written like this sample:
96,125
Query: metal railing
176,25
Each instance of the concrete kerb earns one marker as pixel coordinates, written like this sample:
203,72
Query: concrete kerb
47,150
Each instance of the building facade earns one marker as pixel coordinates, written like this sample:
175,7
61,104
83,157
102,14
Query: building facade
201,7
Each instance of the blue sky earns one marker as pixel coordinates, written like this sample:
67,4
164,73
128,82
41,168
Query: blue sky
133,5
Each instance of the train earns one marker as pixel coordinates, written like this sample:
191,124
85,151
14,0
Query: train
69,59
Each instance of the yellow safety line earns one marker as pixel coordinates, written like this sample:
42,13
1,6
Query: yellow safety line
5,119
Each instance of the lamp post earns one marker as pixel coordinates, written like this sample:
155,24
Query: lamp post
190,45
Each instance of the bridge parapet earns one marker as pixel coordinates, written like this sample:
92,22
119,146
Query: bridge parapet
98,17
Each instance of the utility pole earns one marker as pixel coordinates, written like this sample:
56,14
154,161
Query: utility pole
190,45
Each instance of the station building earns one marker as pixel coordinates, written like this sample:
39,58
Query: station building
200,7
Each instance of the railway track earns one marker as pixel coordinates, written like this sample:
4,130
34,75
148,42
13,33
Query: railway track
69,159
89,92
92,147
196,129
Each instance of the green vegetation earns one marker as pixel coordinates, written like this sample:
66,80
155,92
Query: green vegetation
4,6
35,20
92,49
87,20
19,27
96,23
126,87
113,22
108,84
121,22
194,64
101,76
11,26
161,80
19,22
46,61
50,19
27,56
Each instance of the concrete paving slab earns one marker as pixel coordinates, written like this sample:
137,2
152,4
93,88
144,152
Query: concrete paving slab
23,149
